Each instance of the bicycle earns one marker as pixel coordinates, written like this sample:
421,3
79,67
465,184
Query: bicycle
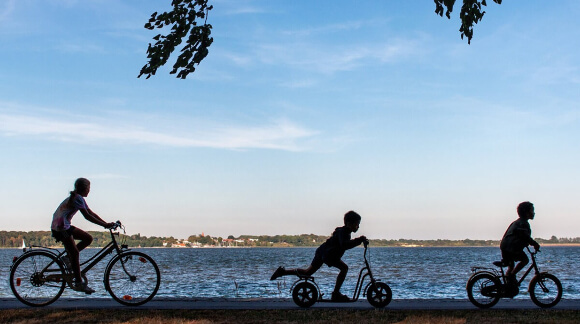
39,276
486,286
305,291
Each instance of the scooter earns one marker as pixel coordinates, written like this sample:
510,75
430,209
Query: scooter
306,292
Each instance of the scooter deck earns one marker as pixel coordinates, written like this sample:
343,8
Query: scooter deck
333,301
326,300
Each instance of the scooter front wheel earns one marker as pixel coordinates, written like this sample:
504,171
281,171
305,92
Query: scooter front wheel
379,294
305,294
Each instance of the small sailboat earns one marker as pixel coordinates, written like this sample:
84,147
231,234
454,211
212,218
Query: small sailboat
23,246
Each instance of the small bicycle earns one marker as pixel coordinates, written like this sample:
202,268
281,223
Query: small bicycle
305,291
486,286
39,276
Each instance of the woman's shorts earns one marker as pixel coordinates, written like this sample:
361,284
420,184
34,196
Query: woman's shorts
64,234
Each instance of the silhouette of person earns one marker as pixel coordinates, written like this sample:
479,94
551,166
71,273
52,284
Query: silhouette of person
64,232
516,238
330,253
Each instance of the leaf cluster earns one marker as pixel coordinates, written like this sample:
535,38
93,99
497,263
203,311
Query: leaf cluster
184,23
471,13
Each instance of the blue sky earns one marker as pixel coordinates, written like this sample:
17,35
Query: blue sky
302,111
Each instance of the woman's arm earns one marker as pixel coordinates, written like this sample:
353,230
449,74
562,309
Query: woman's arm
93,217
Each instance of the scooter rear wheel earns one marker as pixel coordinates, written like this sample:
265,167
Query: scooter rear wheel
305,294
379,294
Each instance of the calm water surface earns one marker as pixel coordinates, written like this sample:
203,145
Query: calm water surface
412,273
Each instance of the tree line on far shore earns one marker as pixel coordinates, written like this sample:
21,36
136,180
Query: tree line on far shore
14,239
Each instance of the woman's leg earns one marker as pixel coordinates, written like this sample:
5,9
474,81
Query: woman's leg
85,238
73,255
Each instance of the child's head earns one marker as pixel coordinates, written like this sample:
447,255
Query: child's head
82,187
526,210
352,220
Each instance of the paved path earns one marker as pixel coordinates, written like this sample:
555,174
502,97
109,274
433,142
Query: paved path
275,303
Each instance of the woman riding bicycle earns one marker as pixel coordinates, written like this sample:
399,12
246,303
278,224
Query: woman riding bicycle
64,232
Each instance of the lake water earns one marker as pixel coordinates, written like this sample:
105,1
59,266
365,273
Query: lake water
412,273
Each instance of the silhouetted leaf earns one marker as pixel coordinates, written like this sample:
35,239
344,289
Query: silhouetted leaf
182,20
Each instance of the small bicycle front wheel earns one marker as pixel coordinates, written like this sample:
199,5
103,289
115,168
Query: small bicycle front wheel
305,294
545,290
379,294
132,278
37,278
483,290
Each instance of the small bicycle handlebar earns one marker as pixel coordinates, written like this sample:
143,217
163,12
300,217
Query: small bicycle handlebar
534,252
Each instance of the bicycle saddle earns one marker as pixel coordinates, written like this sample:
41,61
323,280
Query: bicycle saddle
501,263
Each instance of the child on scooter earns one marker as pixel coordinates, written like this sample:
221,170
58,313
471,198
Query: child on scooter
330,253
516,238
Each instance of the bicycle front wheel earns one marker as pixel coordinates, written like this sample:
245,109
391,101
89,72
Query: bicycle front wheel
545,290
37,278
132,278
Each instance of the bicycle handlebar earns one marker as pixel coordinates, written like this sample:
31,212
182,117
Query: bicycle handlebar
116,225
534,252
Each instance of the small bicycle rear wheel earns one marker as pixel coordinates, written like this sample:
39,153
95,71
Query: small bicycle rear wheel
132,278
37,278
379,294
483,290
305,294
545,290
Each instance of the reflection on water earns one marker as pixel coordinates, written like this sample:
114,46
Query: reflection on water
245,272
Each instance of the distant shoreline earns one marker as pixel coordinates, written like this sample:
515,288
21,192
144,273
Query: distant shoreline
300,247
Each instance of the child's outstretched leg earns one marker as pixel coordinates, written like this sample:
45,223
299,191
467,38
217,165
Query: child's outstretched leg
298,272
336,295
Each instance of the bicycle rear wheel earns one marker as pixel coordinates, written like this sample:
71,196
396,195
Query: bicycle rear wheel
132,278
545,290
483,290
37,278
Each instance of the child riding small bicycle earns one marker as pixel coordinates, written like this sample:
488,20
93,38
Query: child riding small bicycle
330,253
517,237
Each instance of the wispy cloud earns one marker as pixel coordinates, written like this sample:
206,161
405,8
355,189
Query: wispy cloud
332,59
236,7
333,28
277,134
106,176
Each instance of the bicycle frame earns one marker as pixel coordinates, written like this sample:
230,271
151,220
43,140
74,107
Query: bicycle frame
533,266
501,274
112,246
